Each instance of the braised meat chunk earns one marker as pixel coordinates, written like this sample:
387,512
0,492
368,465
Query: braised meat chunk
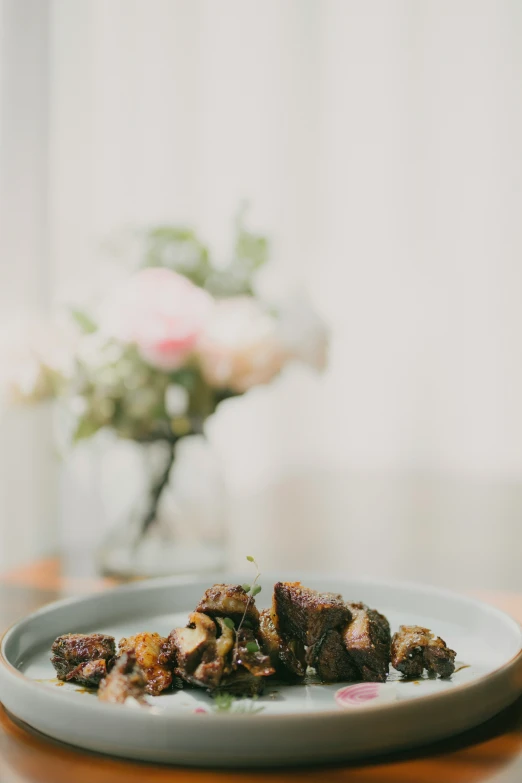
229,601
241,683
216,657
415,648
288,659
331,660
185,647
125,681
205,654
83,658
211,652
439,659
407,649
247,653
147,648
306,615
367,639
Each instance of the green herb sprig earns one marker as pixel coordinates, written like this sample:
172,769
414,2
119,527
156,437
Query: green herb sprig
223,702
227,702
251,590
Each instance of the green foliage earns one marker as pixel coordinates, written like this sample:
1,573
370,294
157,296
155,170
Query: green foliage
83,320
180,249
186,377
85,428
252,249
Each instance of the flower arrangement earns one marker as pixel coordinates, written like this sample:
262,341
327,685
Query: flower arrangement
160,351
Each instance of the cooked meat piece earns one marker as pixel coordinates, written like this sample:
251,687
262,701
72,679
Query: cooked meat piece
199,657
306,615
242,683
246,654
293,655
288,663
225,642
407,649
229,601
209,672
367,639
269,637
415,648
439,659
89,674
125,681
83,658
146,648
184,647
205,654
216,657
331,660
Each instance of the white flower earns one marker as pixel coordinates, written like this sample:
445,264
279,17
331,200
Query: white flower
32,356
97,350
304,333
176,400
240,346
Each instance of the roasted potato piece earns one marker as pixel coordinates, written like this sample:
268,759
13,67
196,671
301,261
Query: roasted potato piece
146,648
125,681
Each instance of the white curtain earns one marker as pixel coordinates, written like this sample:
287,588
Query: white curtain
379,143
28,518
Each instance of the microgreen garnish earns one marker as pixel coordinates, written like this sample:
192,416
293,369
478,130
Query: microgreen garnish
252,647
251,590
223,702
229,623
226,702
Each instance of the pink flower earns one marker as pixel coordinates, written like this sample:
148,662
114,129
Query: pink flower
161,312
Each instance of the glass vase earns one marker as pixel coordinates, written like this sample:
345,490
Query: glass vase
176,521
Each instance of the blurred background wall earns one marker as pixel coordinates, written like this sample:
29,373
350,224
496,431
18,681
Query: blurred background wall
379,144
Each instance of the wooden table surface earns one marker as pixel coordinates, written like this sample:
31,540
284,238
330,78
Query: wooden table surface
492,752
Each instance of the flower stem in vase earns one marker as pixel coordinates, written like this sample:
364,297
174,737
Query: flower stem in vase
157,489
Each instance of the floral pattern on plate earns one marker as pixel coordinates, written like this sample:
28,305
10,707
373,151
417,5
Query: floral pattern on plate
365,693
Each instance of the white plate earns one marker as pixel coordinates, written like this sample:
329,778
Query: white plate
297,724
